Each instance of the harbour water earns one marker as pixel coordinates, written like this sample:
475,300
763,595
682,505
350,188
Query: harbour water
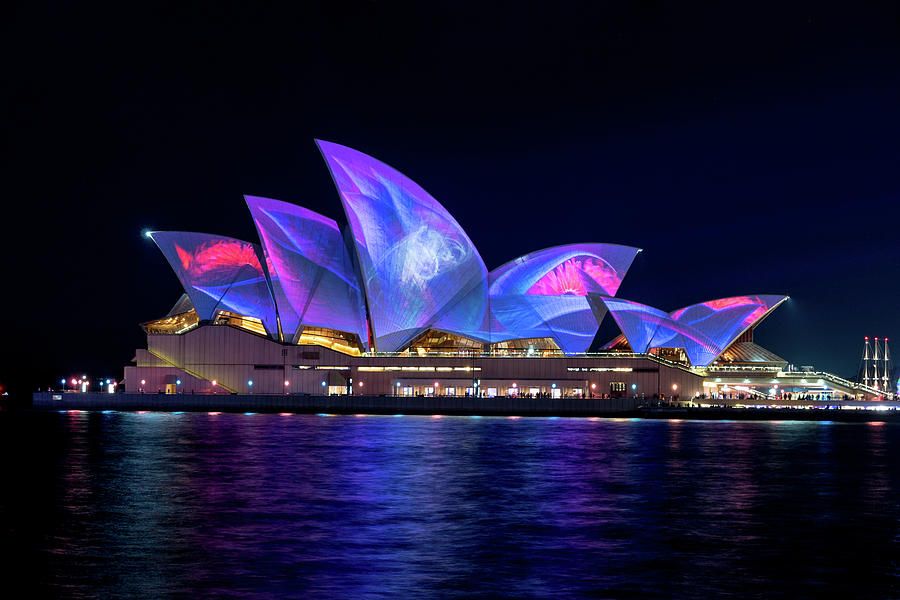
159,505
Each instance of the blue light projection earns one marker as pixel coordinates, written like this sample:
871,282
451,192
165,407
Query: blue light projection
646,327
546,293
219,273
405,265
419,267
703,330
725,319
313,279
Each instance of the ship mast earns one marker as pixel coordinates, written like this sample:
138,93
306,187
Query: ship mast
865,362
875,364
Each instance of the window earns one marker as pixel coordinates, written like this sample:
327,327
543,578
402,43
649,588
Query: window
491,392
340,341
616,386
407,390
451,391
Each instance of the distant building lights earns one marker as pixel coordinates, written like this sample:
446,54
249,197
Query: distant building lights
177,382
398,384
250,382
287,383
214,382
553,385
107,382
143,382
634,386
63,381
360,384
323,384
75,381
435,384
593,386
515,385
674,387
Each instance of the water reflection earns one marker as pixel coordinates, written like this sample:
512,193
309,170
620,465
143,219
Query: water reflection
206,505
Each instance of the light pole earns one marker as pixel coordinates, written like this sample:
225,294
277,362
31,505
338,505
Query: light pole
658,398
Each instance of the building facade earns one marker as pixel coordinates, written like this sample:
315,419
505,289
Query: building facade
398,301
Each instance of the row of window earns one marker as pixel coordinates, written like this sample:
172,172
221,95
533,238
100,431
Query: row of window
426,369
491,392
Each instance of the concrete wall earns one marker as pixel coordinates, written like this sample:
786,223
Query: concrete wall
334,404
233,358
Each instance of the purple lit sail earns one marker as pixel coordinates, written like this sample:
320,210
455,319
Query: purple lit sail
419,267
310,267
725,319
574,269
545,293
219,273
646,327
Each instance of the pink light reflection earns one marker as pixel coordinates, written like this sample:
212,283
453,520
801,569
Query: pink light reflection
575,276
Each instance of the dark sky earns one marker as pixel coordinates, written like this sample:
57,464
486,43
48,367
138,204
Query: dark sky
746,148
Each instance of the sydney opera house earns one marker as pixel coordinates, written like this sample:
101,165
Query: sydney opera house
398,301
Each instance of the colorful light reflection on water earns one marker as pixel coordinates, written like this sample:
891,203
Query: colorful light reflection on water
206,506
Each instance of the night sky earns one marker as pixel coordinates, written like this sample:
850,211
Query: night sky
747,149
